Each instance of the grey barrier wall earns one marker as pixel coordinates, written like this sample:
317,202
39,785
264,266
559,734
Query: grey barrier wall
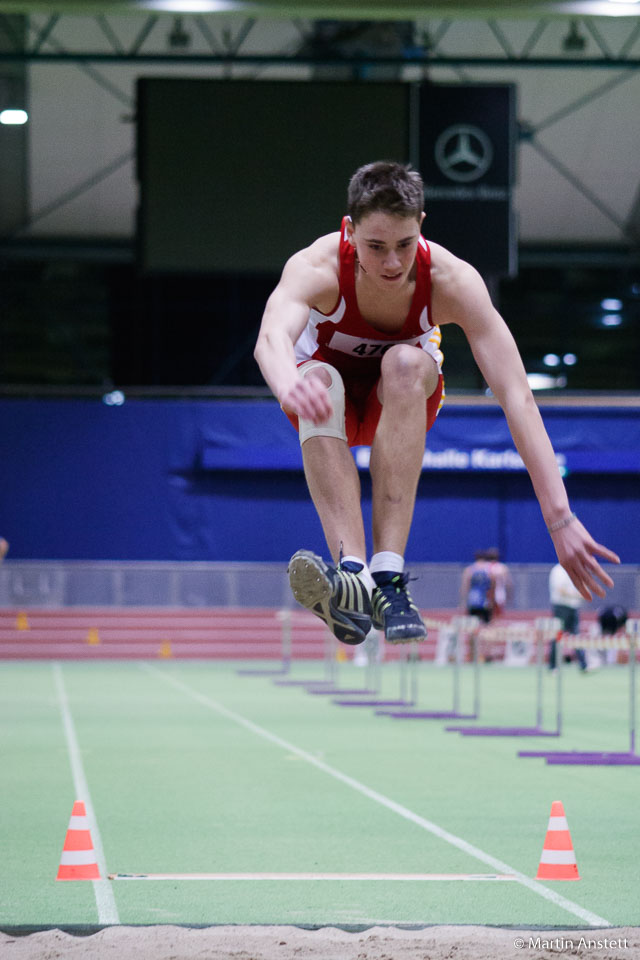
55,584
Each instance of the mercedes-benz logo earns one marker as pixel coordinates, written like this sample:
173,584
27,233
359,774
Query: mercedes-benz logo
463,153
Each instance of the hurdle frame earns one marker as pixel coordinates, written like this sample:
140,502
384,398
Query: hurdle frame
330,664
284,616
465,627
545,628
408,671
603,758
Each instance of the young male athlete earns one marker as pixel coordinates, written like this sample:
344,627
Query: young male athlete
350,346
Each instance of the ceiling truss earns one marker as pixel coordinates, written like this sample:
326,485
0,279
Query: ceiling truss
365,49
200,39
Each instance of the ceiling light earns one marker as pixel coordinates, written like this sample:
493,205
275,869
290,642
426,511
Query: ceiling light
544,381
551,360
569,359
190,6
574,42
611,320
611,303
178,39
14,117
614,8
114,399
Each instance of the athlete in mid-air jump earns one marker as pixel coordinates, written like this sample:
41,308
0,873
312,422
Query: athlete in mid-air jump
350,346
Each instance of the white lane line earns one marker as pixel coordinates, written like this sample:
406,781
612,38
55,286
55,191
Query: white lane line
412,877
102,889
498,865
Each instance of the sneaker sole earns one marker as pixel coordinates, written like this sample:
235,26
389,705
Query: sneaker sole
401,637
309,579
407,638
312,588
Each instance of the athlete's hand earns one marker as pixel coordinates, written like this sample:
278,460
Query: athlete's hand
576,551
308,398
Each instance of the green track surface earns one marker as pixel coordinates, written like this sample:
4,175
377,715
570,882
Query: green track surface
191,768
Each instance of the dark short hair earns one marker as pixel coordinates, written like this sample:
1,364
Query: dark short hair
385,186
612,619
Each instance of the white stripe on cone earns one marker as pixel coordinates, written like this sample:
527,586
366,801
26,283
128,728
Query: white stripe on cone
77,858
558,856
78,823
558,823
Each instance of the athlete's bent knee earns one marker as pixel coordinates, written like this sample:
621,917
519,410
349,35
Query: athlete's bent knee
335,425
403,360
406,366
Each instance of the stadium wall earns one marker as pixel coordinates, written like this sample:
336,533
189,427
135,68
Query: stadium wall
206,480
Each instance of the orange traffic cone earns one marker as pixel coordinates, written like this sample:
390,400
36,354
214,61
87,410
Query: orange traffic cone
558,860
165,652
78,860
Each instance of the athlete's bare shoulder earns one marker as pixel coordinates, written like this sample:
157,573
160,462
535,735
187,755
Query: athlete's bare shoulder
315,272
324,250
458,290
449,272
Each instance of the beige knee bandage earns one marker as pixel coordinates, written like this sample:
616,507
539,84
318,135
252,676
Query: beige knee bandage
334,426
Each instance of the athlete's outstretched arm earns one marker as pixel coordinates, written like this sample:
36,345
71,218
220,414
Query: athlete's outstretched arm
303,282
464,298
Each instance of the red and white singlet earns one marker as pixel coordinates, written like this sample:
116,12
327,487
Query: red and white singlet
355,348
344,339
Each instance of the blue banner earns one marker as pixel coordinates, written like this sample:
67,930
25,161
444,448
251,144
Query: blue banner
258,436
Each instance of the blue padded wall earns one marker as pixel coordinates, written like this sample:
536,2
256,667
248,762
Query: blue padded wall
222,480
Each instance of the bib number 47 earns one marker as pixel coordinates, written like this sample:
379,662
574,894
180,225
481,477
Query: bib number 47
371,349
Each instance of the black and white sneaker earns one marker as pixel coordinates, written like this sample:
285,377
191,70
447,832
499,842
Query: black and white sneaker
335,594
394,611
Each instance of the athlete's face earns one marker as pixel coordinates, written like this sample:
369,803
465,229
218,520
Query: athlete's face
386,246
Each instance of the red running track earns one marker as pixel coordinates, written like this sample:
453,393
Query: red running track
83,633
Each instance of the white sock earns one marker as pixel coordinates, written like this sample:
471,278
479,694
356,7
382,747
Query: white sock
387,560
364,574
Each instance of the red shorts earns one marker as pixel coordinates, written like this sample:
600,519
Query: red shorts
362,409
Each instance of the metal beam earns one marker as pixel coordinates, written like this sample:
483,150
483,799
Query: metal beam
582,101
323,9
424,51
578,185
74,192
633,221
43,35
288,59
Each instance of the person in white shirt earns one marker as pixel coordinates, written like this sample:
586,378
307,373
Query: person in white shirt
566,601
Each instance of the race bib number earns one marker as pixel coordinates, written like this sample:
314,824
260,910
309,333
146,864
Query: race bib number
359,347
